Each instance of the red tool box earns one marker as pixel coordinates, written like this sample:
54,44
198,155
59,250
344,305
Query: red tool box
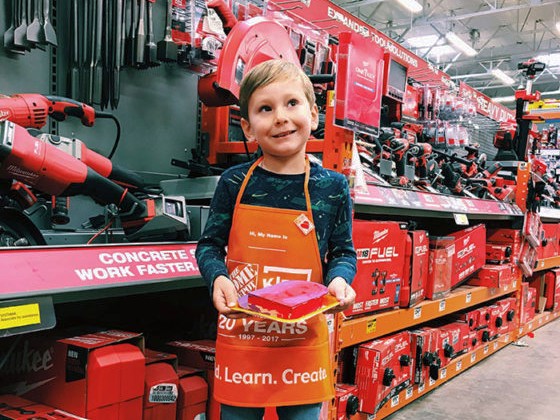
417,258
508,312
547,286
193,394
97,375
199,354
380,247
160,386
346,401
498,253
453,340
495,275
425,352
528,304
384,368
453,258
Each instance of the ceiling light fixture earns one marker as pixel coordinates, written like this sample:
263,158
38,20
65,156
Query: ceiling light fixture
499,74
411,5
460,45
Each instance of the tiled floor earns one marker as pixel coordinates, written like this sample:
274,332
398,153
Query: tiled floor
516,383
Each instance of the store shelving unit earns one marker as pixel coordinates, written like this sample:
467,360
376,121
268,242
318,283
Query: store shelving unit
354,331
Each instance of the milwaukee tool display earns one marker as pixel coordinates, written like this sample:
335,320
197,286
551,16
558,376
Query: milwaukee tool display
455,219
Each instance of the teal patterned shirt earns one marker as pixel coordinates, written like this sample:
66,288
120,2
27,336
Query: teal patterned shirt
331,207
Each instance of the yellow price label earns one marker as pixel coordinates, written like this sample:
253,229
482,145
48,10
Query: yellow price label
371,326
19,316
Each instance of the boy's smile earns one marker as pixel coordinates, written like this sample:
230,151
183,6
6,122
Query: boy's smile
280,120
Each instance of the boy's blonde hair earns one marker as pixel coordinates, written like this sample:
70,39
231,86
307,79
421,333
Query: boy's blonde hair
268,72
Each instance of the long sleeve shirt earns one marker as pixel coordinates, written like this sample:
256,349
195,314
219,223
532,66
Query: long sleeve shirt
331,207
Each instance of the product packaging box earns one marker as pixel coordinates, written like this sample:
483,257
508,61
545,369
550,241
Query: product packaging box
550,244
380,247
498,253
532,229
494,276
453,341
161,386
417,258
507,237
346,401
97,375
528,304
547,285
508,315
424,342
199,354
384,368
455,257
193,394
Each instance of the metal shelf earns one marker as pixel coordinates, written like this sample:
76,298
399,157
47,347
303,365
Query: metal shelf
391,200
549,215
538,321
357,330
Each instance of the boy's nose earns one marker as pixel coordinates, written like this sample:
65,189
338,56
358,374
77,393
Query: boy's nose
281,116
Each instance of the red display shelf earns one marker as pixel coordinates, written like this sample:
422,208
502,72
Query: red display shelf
456,367
435,205
358,330
537,322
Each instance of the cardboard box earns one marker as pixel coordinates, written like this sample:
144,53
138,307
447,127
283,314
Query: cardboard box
347,402
498,253
161,385
528,304
494,276
380,247
384,368
97,375
454,258
453,341
199,354
424,342
193,394
417,259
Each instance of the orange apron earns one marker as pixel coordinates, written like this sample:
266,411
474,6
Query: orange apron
259,362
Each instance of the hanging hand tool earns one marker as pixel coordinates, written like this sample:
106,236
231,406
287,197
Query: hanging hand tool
9,34
74,73
98,61
140,36
35,32
50,34
20,33
118,56
166,48
150,49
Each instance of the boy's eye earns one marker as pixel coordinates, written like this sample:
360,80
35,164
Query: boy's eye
264,108
293,102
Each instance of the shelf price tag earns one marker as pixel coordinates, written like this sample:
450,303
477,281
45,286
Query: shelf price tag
371,326
461,219
468,297
422,387
395,401
486,349
514,284
473,357
409,392
547,317
417,313
495,345
432,381
458,365
442,305
443,373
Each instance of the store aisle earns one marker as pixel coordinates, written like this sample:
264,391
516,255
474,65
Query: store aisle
517,383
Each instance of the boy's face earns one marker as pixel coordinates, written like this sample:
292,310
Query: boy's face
280,119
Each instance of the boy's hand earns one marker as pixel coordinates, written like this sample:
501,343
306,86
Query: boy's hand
224,297
343,292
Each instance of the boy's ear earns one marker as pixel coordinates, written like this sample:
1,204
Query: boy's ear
246,127
314,117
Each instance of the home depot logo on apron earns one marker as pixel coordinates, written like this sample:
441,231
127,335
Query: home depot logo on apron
260,362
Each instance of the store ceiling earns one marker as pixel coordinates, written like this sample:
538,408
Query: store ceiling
503,33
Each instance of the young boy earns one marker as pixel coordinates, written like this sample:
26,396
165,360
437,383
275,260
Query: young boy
281,218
